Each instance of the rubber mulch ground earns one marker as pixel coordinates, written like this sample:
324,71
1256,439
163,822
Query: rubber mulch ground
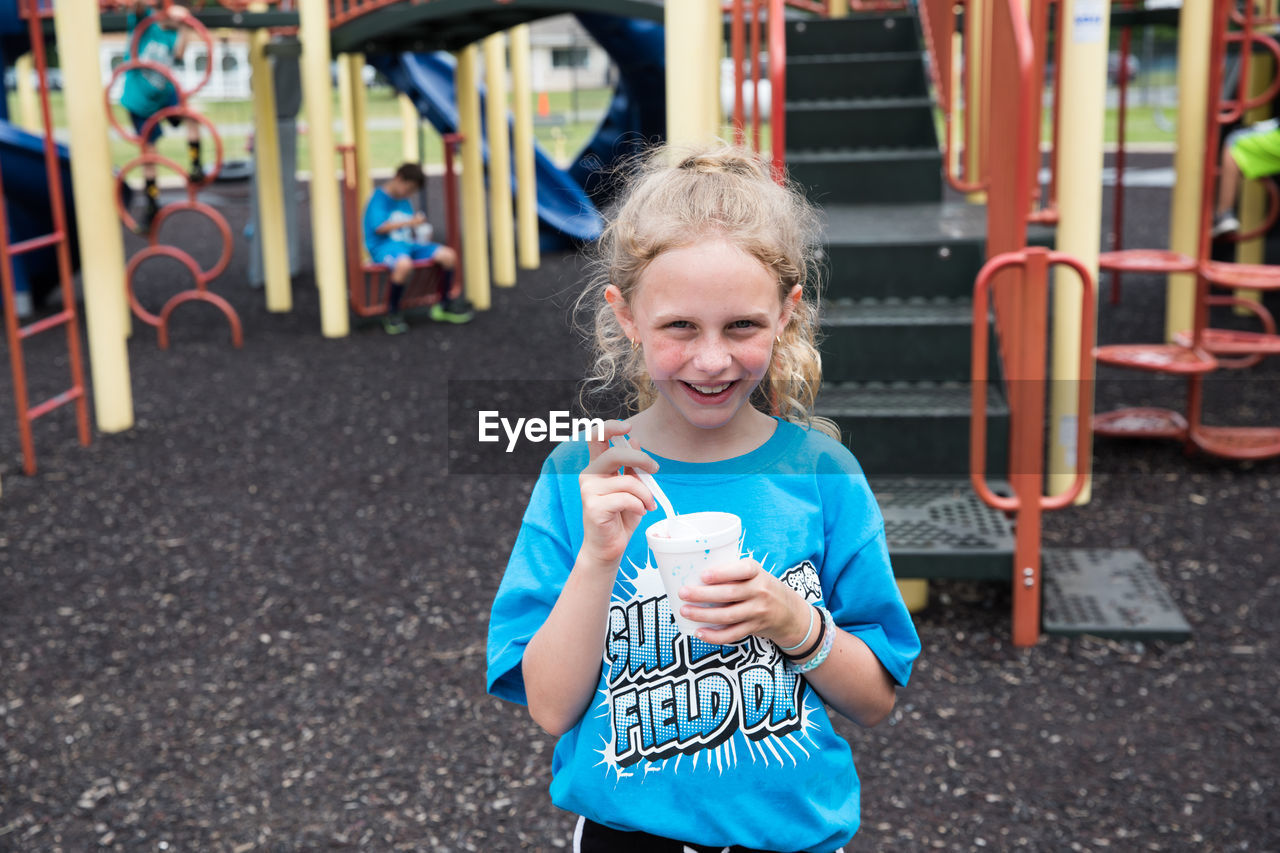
256,620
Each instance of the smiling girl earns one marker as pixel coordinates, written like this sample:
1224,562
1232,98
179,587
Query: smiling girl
705,308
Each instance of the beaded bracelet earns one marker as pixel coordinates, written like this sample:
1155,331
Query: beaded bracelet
785,649
828,624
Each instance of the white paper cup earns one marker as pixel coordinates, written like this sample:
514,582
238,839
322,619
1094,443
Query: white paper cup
701,540
424,232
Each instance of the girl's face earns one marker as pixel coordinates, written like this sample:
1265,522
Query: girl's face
706,316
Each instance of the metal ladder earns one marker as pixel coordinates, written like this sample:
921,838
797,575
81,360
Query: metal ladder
58,239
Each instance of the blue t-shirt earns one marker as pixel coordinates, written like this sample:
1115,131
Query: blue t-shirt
677,722
146,91
382,208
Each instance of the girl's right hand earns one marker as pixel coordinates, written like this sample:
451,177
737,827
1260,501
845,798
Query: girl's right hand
613,503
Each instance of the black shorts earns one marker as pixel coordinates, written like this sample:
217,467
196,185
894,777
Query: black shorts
591,837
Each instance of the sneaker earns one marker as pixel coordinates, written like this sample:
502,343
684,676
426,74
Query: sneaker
1223,224
148,216
457,310
196,175
394,324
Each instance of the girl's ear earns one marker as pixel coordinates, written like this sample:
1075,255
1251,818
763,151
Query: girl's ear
621,310
789,306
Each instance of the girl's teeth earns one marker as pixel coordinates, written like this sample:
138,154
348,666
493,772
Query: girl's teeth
709,389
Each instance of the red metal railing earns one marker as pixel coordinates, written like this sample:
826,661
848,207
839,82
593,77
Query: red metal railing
746,20
1027,296
938,22
1014,286
57,239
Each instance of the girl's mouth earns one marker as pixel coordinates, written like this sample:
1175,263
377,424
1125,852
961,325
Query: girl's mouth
709,393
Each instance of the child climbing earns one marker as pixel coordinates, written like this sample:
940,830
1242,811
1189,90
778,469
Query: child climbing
163,38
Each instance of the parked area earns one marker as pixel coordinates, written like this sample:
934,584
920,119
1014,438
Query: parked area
256,621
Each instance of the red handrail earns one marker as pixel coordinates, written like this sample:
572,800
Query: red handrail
1015,283
744,30
1026,382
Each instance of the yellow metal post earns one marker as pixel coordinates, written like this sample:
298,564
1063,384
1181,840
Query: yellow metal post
24,71
528,254
713,52
688,87
106,309
976,15
360,126
502,237
1253,194
838,8
272,239
410,136
1083,109
1188,159
326,207
475,244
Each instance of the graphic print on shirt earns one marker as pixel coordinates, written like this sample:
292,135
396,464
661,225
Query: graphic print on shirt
669,696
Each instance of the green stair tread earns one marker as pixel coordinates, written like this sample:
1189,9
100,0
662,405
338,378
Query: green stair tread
939,311
903,400
938,527
855,104
1111,593
840,58
929,223
835,155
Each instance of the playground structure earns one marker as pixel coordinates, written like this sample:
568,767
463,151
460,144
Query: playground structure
902,306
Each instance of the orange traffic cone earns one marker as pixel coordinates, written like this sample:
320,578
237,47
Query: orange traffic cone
544,105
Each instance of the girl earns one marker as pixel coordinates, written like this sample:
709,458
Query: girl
704,305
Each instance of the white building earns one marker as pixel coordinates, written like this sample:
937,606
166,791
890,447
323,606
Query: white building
565,57
229,80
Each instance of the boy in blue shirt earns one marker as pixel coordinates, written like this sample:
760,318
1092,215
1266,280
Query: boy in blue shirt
146,91
392,237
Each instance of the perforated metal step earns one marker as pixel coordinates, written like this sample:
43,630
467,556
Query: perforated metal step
1111,593
937,528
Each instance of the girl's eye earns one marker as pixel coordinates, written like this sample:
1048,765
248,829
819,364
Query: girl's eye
744,324
678,324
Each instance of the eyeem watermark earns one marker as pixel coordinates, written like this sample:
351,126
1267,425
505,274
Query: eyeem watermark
556,427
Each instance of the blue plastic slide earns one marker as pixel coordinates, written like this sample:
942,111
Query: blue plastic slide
564,208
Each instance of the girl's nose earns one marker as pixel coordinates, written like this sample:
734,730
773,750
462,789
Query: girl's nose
711,357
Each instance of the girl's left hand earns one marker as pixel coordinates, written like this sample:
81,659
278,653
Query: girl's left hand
748,601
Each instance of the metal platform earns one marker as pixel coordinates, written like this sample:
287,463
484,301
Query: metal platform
938,528
1107,593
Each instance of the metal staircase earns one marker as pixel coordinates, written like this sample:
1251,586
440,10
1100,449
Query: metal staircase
898,325
897,312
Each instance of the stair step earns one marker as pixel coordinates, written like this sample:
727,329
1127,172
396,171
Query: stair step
869,75
1111,593
868,177
912,429
938,528
856,123
856,34
903,250
897,340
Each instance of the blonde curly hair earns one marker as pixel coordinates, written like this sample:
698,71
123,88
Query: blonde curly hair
676,197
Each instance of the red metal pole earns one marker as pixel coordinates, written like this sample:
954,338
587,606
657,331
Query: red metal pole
1117,196
778,88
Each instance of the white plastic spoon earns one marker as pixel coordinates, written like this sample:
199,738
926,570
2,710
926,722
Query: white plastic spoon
658,495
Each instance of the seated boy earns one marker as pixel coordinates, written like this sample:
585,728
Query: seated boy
390,225
1251,152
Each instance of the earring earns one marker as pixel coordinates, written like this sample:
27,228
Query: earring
635,345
